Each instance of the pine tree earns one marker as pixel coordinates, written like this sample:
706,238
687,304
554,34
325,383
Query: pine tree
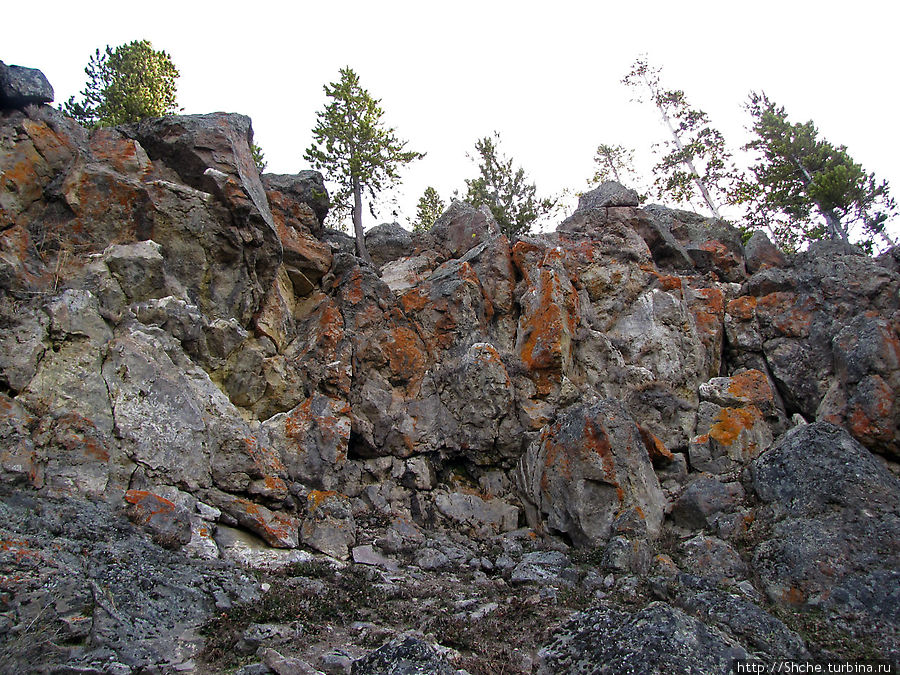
355,150
126,84
614,162
805,188
698,163
429,209
513,201
259,157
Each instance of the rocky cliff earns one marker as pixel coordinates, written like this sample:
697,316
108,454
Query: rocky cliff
204,395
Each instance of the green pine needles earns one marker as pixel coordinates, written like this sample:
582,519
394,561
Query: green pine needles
355,150
126,84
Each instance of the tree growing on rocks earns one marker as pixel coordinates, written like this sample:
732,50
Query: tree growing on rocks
429,209
126,84
697,164
805,188
613,162
513,201
356,150
259,157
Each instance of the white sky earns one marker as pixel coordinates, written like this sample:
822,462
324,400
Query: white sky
545,75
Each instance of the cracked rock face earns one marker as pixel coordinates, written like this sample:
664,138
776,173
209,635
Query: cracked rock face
183,340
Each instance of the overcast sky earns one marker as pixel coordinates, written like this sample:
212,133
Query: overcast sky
545,75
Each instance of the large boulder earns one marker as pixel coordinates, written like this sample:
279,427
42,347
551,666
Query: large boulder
589,476
833,541
22,86
657,639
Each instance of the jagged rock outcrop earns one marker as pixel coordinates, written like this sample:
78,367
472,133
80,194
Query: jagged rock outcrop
183,340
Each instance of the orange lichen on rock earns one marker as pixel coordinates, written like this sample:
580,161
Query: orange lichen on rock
872,420
742,308
406,355
549,325
526,256
787,312
656,449
730,422
793,596
752,386
351,288
413,301
150,504
316,498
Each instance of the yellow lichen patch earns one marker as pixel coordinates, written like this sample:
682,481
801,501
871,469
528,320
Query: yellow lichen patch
316,498
731,422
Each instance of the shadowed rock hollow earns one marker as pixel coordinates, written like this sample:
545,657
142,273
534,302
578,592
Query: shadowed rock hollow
493,435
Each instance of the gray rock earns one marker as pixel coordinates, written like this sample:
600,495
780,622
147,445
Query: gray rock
542,567
835,530
367,555
657,639
245,549
85,568
403,656
760,252
20,86
329,526
462,227
764,636
277,529
703,498
588,470
472,510
713,559
431,559
306,187
388,242
609,193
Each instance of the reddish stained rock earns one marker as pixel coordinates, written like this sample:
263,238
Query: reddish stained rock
168,524
17,453
707,306
312,439
406,356
732,437
549,318
742,308
659,454
788,313
760,253
122,154
587,471
278,530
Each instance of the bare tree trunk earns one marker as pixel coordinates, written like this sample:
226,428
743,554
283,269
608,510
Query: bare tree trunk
832,222
690,165
361,249
835,229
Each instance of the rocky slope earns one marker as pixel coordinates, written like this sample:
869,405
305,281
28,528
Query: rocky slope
633,440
